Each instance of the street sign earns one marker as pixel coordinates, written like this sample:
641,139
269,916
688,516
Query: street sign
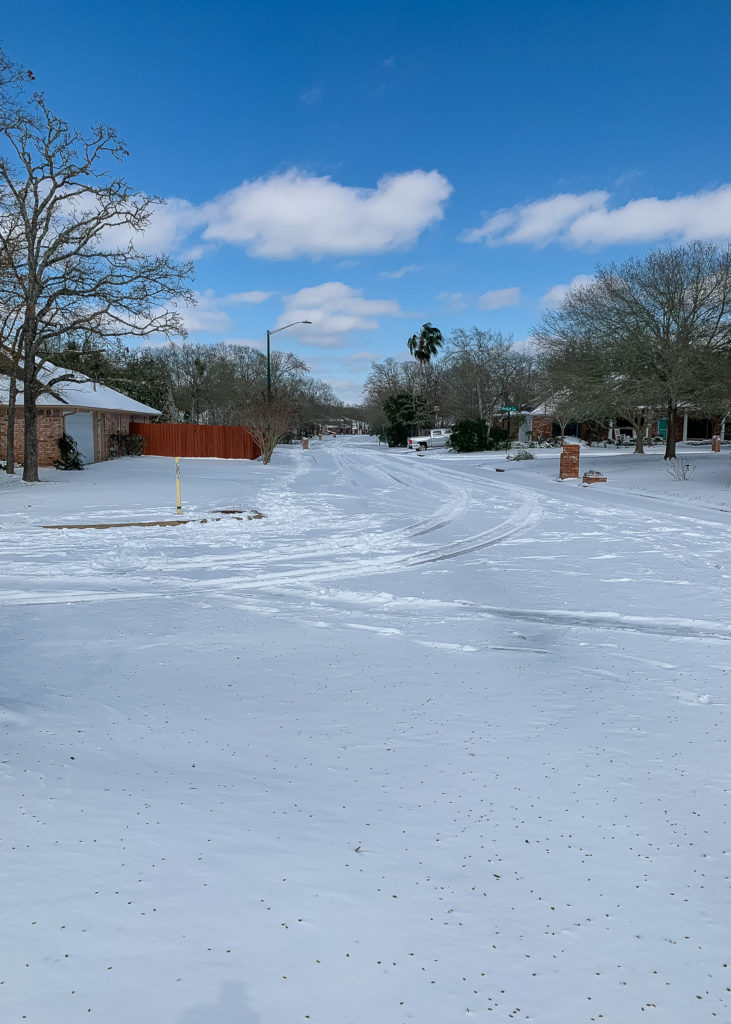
508,408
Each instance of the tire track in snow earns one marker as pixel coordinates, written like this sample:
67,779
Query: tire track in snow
663,625
328,567
385,605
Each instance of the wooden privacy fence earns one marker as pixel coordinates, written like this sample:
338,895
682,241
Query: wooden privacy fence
194,441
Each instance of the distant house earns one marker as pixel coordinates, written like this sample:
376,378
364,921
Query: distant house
538,422
89,412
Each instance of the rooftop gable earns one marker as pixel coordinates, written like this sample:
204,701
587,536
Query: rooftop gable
79,393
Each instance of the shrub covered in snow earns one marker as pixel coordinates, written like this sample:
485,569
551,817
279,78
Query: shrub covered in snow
70,454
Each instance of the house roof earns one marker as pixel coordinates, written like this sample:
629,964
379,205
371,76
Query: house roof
79,393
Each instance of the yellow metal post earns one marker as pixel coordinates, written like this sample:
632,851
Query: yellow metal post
177,484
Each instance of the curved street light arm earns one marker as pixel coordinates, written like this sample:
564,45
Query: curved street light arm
269,358
278,329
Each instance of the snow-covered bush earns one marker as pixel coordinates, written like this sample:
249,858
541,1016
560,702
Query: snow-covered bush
70,454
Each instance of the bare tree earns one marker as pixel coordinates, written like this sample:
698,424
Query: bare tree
659,326
60,189
270,417
482,372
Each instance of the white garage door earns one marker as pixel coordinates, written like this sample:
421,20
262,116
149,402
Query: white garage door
80,425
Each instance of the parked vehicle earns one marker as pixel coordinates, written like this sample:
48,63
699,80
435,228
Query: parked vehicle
429,439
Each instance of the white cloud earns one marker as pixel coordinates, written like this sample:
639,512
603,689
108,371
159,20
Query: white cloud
704,215
555,296
490,300
170,224
294,214
588,220
499,298
412,268
250,298
457,300
207,314
334,309
524,346
347,391
310,96
364,356
538,223
195,252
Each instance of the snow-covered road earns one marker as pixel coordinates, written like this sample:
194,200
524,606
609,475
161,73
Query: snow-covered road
425,742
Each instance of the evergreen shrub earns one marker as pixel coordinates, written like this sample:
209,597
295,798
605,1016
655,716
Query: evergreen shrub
395,435
473,436
469,436
70,454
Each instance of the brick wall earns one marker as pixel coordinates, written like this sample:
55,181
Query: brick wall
542,427
4,435
108,423
50,429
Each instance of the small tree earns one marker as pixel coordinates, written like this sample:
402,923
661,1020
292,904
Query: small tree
71,457
474,436
404,412
469,436
270,417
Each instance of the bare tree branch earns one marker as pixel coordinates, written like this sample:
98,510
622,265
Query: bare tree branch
60,203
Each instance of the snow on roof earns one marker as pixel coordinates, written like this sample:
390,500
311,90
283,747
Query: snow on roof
80,393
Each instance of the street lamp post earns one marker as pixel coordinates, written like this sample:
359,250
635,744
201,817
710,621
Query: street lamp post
269,357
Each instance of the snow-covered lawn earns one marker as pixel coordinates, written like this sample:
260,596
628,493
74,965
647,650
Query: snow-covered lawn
428,742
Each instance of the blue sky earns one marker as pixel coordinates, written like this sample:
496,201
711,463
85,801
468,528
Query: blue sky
373,166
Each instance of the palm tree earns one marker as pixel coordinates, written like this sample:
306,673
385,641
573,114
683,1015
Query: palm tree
425,344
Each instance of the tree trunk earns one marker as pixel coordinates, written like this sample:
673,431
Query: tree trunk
30,426
670,440
639,437
10,447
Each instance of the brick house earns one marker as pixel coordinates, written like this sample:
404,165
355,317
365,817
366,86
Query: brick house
538,422
89,412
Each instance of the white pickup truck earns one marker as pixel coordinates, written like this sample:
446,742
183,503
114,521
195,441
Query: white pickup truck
430,439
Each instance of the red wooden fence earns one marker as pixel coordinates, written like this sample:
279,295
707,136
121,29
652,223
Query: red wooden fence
193,441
